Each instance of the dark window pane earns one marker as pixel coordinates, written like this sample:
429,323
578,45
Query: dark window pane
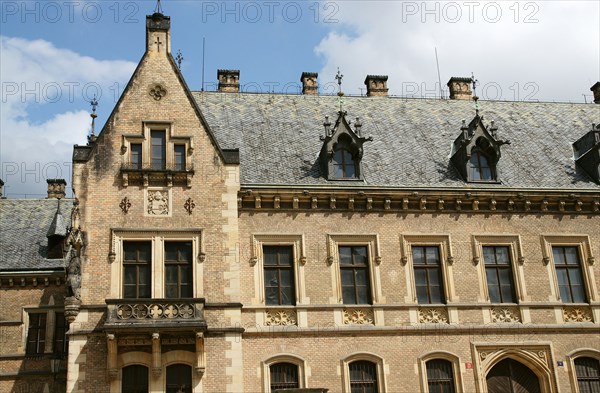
136,269
180,157
499,275
363,377
158,150
439,376
279,275
569,274
345,255
428,274
136,155
179,378
354,271
284,376
178,269
134,379
60,330
36,334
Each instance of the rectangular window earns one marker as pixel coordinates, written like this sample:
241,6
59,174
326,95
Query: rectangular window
61,342
158,151
178,270
568,274
354,271
180,157
136,269
428,275
499,275
279,275
36,334
136,156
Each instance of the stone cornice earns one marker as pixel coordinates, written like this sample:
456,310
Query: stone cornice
31,279
422,201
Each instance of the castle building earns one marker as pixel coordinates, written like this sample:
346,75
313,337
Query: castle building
239,242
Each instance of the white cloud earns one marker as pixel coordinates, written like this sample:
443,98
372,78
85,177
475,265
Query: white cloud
558,52
35,74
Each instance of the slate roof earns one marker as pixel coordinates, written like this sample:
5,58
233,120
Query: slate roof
278,138
24,224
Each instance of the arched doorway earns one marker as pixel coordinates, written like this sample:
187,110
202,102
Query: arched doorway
511,376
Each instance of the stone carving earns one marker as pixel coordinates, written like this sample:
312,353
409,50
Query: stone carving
280,318
189,205
433,315
157,92
158,202
74,274
155,311
577,314
358,316
125,205
505,314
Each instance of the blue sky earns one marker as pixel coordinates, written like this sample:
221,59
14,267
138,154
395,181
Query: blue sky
55,55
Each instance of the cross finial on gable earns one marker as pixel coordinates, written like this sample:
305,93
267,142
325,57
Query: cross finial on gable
475,83
179,58
158,8
339,78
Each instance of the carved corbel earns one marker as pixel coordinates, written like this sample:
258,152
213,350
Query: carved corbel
493,205
591,261
156,355
257,202
295,203
112,367
200,354
351,203
277,202
423,204
253,260
302,260
330,260
475,205
369,203
561,206
201,257
546,261
378,260
544,205
458,204
387,204
404,203
314,203
332,203
440,204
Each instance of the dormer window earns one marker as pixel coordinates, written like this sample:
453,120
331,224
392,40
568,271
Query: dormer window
476,152
342,149
344,166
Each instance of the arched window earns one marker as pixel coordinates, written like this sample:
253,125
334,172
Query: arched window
344,165
588,374
284,376
134,379
440,376
511,376
179,378
480,168
363,377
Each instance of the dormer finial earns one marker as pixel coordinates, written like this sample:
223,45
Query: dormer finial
340,93
158,8
179,58
93,115
475,83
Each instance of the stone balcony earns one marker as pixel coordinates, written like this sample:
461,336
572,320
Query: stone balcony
162,314
168,174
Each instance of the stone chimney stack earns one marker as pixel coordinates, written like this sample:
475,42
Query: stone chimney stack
1,189
460,88
309,83
376,85
596,90
229,81
158,34
56,188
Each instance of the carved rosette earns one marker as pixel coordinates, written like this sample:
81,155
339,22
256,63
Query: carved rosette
280,318
158,202
358,316
577,314
433,315
155,311
505,314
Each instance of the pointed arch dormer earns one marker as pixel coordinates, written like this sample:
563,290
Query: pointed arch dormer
342,150
476,152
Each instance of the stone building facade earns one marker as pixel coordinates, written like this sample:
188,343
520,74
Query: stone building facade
236,242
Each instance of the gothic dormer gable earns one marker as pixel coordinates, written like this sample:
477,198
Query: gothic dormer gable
587,153
476,151
342,150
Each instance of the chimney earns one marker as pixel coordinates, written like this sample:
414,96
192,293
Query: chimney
596,90
1,189
158,34
309,83
460,88
229,81
376,85
56,188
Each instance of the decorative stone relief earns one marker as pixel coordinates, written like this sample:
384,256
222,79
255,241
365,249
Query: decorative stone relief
155,311
505,314
577,314
157,91
358,316
158,202
433,315
280,318
125,205
189,205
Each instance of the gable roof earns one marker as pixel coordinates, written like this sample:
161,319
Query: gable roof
24,224
278,138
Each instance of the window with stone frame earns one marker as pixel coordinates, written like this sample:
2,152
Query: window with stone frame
363,377
134,379
568,274
354,273
429,282
36,333
499,274
278,262
178,270
158,149
137,272
587,370
61,342
135,158
283,376
440,376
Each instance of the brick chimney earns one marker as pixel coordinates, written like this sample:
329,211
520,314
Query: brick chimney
229,81
56,188
376,85
1,189
596,90
460,88
309,83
